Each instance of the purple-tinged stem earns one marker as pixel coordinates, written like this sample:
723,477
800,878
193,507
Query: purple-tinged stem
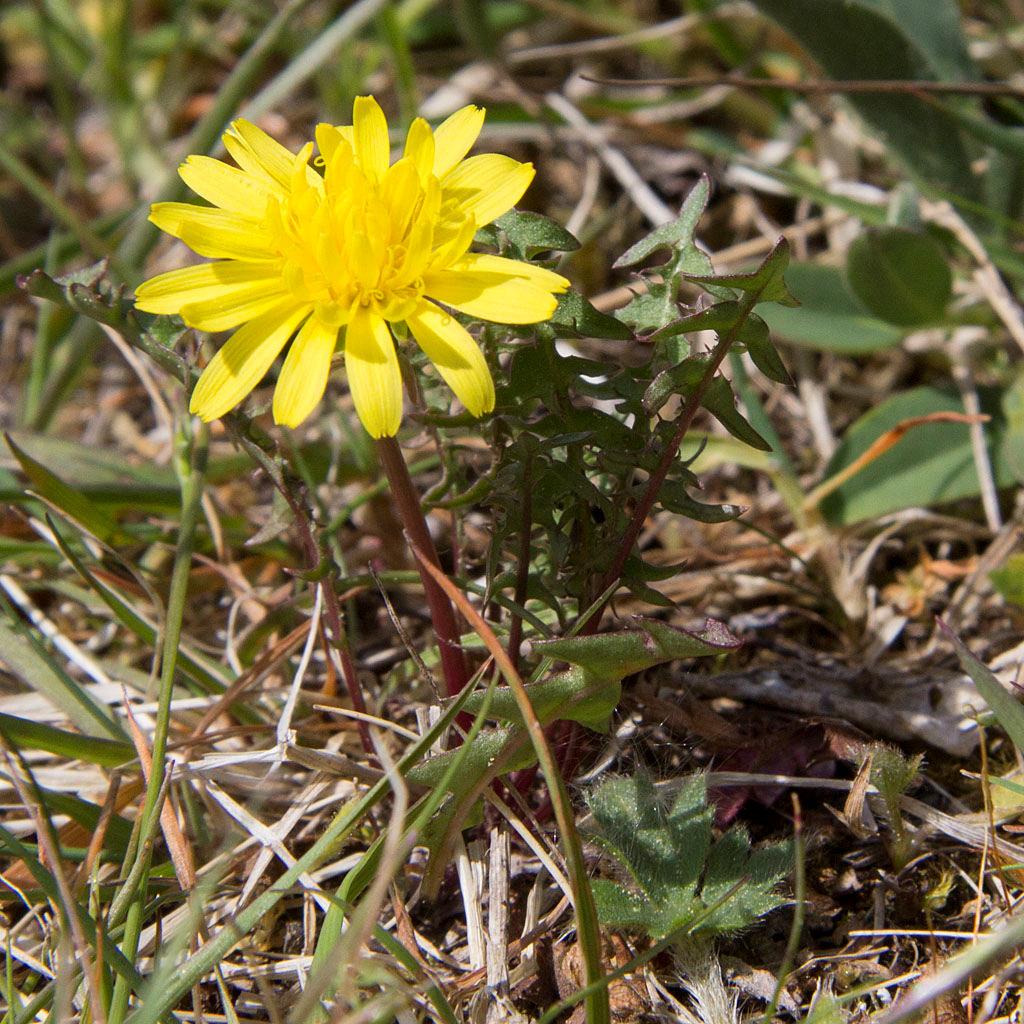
442,615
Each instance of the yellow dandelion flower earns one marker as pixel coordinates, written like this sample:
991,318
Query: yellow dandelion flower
300,255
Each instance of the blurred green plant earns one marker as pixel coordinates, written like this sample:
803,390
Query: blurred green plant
1008,579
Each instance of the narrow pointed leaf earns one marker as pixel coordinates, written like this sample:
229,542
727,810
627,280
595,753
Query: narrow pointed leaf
24,734
74,505
767,283
719,401
677,235
26,658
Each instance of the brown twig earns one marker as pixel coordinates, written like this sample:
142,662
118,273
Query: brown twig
827,85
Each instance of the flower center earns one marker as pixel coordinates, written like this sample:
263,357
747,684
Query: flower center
347,239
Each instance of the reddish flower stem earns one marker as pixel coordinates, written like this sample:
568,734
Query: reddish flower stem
442,615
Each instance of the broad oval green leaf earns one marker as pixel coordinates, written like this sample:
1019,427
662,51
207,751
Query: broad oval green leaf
859,39
935,27
931,465
829,319
1008,579
902,276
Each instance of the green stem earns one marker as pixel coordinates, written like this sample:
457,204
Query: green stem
191,467
42,350
442,615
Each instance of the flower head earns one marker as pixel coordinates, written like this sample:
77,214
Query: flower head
367,243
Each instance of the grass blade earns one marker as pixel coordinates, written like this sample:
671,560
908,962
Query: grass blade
26,734
25,657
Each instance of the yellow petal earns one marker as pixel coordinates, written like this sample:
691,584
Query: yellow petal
488,185
226,186
419,147
218,234
227,311
450,241
374,378
256,152
244,359
328,136
370,131
300,170
451,348
500,266
168,293
304,374
505,300
454,138
400,191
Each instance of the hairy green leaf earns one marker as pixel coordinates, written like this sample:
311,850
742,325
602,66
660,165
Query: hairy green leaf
767,283
577,317
677,236
679,875
531,233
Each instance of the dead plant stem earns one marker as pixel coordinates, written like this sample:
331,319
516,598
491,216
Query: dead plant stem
855,86
260,449
332,613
